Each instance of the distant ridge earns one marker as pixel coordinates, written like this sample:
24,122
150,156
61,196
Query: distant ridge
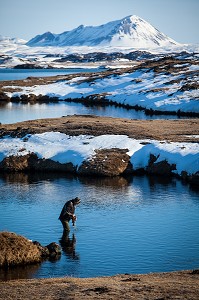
131,31
9,40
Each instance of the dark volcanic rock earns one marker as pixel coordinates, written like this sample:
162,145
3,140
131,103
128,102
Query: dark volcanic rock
194,179
50,165
159,168
4,97
53,250
106,162
32,162
27,66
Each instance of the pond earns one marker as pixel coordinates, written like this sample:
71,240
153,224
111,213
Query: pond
17,112
125,225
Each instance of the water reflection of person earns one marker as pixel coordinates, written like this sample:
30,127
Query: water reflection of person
68,245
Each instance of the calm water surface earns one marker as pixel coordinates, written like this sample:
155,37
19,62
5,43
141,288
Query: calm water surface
18,74
12,112
135,225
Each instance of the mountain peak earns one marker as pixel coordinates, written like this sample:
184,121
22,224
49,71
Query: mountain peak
131,31
132,18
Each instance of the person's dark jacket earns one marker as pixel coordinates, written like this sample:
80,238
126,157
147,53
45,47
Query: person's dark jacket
67,211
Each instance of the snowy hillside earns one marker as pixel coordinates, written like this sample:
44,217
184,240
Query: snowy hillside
131,31
164,85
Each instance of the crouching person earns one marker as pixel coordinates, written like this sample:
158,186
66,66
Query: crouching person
68,213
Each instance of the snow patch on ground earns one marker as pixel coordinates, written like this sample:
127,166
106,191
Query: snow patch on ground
64,149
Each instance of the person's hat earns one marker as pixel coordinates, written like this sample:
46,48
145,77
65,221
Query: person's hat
77,200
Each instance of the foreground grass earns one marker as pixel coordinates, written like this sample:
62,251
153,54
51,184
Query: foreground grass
175,285
184,130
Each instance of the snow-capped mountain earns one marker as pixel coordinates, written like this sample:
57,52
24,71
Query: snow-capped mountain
131,31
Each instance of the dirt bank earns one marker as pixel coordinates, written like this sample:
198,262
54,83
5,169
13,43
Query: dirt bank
158,286
184,130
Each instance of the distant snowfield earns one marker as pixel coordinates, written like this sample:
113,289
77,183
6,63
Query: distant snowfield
75,149
149,90
22,50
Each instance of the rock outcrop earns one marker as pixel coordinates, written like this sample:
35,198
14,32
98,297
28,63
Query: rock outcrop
4,97
32,162
106,162
159,168
52,251
192,179
18,250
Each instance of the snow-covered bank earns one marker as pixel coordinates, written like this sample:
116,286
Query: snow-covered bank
63,148
163,85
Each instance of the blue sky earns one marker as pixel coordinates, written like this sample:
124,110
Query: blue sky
178,19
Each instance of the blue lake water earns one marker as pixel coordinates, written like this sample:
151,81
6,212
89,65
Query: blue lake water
18,74
134,225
